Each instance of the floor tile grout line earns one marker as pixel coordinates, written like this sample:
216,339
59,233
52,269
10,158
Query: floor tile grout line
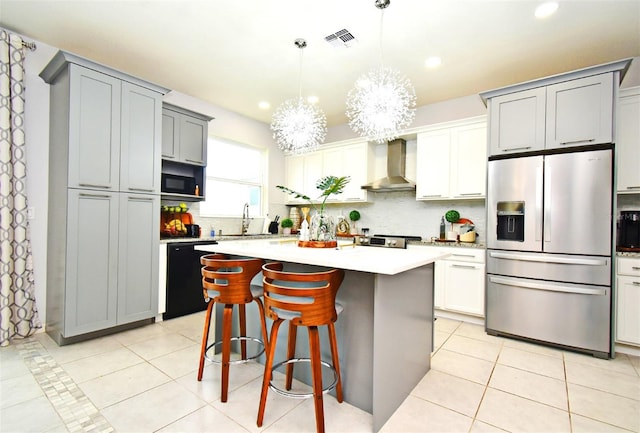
66,397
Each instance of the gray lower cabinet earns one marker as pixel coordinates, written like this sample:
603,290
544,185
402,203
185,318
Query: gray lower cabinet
104,198
111,278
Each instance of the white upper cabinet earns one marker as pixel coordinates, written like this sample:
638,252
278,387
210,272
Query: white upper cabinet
451,161
628,141
566,110
354,160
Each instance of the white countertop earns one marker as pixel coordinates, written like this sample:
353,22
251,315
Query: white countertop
389,261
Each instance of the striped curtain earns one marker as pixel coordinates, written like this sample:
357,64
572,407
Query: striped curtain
18,313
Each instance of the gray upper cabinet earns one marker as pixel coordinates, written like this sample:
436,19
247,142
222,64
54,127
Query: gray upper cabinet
580,112
104,198
184,135
94,128
141,137
517,122
567,110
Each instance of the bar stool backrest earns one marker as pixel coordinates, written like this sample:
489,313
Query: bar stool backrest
307,299
228,281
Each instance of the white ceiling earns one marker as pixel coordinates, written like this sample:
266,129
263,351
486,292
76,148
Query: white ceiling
235,53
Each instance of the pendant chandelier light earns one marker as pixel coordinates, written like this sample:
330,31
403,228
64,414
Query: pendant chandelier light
382,102
298,126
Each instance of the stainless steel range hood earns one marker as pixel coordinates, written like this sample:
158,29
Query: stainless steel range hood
396,163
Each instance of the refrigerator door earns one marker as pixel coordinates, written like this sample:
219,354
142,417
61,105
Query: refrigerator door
578,214
514,204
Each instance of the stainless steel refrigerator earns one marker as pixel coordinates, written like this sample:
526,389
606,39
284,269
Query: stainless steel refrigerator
549,249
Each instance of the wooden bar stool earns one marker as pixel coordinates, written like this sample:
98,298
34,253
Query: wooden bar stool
304,299
228,281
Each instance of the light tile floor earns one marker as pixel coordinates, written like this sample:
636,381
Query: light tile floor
144,380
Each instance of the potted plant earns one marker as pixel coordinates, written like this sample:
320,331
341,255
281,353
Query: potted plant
286,225
354,216
322,229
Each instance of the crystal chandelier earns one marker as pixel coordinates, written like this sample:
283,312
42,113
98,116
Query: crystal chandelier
382,102
297,125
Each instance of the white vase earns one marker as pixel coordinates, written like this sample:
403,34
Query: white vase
323,228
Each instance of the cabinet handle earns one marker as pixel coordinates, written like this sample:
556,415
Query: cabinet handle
636,283
469,193
90,185
430,196
193,160
516,148
635,268
588,140
463,255
95,195
464,266
141,189
633,187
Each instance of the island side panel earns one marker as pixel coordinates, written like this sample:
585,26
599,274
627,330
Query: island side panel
403,337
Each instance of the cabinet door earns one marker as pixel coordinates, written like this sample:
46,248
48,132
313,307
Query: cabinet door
628,319
333,165
94,129
356,164
295,176
580,112
170,134
138,257
469,161
627,143
464,287
517,122
433,168
91,261
312,173
193,140
140,139
439,283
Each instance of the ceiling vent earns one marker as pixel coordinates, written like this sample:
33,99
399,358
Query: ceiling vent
341,39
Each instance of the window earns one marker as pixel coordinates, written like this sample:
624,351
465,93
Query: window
235,176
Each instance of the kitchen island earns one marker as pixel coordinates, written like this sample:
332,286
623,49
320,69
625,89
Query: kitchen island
385,333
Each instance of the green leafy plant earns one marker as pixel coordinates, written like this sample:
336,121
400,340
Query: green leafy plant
327,185
286,223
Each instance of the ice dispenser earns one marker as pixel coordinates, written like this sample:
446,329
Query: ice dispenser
510,221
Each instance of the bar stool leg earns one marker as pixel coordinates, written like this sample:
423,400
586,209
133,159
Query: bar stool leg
291,353
243,330
263,323
205,338
268,365
226,350
333,341
316,373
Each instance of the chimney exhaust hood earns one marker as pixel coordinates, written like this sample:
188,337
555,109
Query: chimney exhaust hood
396,163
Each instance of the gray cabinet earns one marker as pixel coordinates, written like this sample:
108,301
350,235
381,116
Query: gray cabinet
567,110
104,202
184,135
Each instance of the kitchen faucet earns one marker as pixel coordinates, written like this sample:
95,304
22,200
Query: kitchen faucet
245,219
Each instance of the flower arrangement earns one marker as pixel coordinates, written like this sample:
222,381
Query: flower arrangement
327,185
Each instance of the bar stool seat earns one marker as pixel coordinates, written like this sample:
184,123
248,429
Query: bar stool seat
228,281
309,300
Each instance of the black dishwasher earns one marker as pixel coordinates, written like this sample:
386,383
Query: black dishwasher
184,280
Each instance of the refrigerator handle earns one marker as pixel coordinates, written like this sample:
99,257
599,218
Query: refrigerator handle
587,261
548,173
538,209
527,284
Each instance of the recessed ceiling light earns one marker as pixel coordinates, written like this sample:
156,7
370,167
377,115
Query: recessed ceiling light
433,62
264,105
312,99
546,9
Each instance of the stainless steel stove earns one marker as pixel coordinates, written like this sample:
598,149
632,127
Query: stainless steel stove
386,241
